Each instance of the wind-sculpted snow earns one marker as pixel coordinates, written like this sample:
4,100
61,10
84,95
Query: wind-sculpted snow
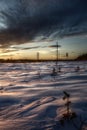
31,99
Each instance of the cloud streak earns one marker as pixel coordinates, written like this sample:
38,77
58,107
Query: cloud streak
26,20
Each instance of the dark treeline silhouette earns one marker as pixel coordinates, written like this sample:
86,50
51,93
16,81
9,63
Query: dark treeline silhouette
17,60
27,60
82,57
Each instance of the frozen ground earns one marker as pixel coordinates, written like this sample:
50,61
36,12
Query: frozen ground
31,99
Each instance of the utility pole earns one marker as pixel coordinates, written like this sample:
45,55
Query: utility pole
67,55
38,56
57,54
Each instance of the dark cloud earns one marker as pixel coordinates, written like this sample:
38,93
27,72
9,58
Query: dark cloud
26,48
15,49
26,20
55,46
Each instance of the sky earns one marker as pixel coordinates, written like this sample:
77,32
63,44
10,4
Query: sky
31,26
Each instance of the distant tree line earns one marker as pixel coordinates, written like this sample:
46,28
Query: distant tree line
82,57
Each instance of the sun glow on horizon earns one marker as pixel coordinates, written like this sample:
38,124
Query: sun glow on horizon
29,50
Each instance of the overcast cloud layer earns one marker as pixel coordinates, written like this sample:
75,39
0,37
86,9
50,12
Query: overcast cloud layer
26,20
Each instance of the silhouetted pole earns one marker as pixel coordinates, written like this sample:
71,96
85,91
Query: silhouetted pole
38,56
67,55
57,55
